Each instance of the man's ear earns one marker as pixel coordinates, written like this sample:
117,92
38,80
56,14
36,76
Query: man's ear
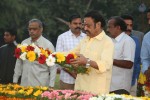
41,29
99,24
118,27
69,24
14,37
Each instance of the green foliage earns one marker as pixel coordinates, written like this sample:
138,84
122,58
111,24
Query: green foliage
17,13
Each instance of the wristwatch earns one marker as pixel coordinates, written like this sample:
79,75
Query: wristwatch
88,63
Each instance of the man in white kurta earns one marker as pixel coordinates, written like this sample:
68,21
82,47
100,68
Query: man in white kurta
124,50
33,73
122,69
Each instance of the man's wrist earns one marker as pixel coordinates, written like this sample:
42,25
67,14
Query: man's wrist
88,63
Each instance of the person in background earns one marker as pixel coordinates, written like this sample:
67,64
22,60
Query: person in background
145,51
7,58
148,16
137,61
67,41
129,22
94,52
122,69
33,73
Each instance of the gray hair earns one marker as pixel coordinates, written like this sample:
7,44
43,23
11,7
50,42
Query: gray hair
38,21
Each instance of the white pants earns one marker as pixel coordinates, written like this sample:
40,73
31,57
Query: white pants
133,89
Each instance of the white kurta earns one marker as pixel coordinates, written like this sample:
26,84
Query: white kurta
33,73
124,50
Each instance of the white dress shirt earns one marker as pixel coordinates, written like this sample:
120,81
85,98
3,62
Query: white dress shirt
33,73
124,50
66,42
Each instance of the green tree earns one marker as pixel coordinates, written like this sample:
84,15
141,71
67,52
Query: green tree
54,13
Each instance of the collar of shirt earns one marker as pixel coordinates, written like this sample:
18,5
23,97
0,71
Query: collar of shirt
37,41
98,37
15,43
81,35
119,37
132,33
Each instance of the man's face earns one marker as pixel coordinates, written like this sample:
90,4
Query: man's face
111,28
148,17
129,24
8,38
90,28
35,30
76,25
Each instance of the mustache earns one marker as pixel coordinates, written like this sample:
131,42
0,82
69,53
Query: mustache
78,28
85,31
128,30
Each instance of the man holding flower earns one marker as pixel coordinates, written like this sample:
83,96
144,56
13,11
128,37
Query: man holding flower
94,52
33,73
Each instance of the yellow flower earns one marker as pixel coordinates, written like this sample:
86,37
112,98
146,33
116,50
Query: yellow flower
128,96
16,86
21,91
38,87
31,56
145,98
44,52
11,92
7,87
29,87
60,57
75,56
142,78
23,48
29,92
37,93
19,45
44,88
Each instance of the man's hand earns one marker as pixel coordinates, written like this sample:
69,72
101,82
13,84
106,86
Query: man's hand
80,60
147,74
73,74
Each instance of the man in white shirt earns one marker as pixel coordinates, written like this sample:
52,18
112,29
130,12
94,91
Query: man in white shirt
123,56
33,73
66,42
